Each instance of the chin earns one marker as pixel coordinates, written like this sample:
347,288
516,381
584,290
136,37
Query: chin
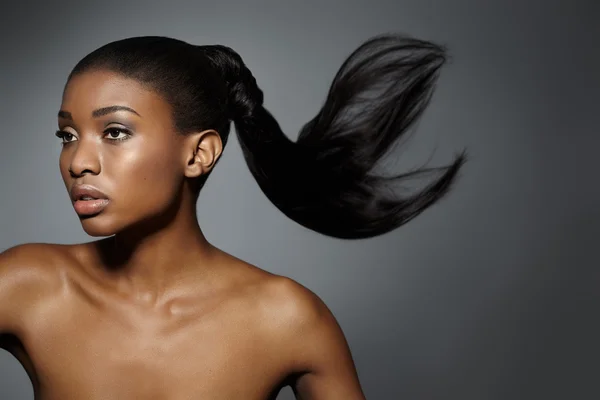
104,224
95,226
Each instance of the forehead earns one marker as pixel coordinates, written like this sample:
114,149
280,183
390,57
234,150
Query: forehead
91,90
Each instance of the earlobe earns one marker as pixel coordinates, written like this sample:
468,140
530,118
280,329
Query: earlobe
205,149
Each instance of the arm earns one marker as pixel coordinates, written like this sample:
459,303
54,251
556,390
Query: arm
322,362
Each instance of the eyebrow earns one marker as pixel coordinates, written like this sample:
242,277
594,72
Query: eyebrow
99,112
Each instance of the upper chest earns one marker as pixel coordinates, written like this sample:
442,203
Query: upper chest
89,346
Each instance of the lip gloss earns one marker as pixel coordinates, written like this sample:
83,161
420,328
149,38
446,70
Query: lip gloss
90,207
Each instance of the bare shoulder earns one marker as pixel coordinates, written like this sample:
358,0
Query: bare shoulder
276,295
296,315
284,302
304,333
27,273
308,342
28,258
37,259
295,304
285,313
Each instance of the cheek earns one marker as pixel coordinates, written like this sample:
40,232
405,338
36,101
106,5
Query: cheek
151,179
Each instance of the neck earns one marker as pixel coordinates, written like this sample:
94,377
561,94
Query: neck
149,262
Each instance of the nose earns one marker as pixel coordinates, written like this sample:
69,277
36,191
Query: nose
84,159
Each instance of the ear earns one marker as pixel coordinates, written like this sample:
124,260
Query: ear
202,151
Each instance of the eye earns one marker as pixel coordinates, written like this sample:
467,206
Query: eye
64,135
115,132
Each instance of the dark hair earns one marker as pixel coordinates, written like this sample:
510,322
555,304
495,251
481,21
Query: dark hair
326,180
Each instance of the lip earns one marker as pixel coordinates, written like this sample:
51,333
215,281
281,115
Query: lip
88,207
79,191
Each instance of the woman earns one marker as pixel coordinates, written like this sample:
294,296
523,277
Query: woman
153,310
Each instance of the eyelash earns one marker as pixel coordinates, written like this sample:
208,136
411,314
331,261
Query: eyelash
62,134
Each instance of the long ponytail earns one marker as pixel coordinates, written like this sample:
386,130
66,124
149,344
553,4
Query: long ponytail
327,180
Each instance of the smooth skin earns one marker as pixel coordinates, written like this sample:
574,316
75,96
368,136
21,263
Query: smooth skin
152,310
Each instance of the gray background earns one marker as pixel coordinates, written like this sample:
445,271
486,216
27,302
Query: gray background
491,294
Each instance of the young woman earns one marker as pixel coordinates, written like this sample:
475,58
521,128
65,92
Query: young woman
154,311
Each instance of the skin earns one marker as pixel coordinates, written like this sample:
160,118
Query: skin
154,311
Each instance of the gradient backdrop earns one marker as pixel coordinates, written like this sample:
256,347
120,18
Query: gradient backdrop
491,294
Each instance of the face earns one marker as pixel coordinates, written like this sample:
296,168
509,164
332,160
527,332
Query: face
131,153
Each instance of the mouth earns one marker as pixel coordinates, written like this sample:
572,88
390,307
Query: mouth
88,200
87,193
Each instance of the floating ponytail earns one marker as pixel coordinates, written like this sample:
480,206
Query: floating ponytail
325,181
